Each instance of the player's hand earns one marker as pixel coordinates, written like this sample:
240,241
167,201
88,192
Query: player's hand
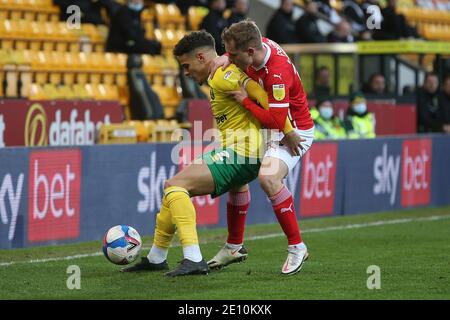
293,141
239,95
222,61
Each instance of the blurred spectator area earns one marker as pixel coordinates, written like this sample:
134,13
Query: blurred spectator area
42,58
392,117
350,65
431,18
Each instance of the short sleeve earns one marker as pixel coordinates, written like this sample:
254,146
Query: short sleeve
277,85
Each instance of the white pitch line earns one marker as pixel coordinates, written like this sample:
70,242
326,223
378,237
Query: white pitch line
355,226
267,236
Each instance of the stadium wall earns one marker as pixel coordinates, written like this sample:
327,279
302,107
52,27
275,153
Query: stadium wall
70,194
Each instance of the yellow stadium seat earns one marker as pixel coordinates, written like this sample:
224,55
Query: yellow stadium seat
168,16
151,65
50,92
36,92
166,131
169,96
168,39
116,133
148,15
66,92
81,92
195,16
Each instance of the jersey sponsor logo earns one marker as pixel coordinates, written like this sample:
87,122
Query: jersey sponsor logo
279,92
221,119
227,75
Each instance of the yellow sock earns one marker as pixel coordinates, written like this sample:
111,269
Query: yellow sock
183,214
165,228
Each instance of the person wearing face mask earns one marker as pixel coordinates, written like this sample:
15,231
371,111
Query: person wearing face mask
359,122
328,126
127,34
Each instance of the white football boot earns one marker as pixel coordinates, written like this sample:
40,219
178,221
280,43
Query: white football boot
227,256
297,255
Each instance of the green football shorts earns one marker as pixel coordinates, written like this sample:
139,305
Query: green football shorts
230,169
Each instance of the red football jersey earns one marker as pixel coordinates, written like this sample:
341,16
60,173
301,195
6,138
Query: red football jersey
279,77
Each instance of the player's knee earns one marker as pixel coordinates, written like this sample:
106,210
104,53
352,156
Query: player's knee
173,182
268,183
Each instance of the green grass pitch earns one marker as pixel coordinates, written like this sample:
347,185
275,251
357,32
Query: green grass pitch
411,248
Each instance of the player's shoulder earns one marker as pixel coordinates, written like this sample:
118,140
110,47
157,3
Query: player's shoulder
229,72
226,78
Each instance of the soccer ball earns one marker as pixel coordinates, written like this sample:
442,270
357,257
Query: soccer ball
122,244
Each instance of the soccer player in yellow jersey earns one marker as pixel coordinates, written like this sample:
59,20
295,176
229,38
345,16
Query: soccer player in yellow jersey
228,168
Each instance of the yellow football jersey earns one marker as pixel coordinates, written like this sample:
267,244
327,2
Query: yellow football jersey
239,129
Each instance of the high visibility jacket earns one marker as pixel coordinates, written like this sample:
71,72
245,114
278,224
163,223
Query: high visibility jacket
361,126
329,129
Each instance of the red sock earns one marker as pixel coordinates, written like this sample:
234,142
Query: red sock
237,207
283,205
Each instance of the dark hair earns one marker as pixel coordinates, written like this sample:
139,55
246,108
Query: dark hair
320,69
192,41
429,74
374,75
446,78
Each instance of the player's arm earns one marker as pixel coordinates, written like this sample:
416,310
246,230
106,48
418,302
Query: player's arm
257,94
272,118
253,91
278,98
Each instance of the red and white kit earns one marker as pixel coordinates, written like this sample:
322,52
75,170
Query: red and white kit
287,98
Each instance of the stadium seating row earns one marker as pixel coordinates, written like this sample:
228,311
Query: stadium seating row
417,15
56,36
141,131
87,91
54,75
435,32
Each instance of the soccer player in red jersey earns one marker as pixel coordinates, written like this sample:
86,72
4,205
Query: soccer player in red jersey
267,63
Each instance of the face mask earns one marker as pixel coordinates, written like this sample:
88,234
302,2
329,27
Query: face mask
136,6
326,112
360,108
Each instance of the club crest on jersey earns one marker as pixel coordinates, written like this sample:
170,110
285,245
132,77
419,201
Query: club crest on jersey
227,75
278,92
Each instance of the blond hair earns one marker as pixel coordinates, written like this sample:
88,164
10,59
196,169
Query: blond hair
245,34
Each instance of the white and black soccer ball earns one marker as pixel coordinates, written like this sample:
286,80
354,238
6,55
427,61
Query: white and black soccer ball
122,244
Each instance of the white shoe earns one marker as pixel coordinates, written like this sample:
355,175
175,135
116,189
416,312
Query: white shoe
227,256
297,255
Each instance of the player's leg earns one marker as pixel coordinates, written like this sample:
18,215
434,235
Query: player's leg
194,180
177,212
274,168
156,260
237,207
